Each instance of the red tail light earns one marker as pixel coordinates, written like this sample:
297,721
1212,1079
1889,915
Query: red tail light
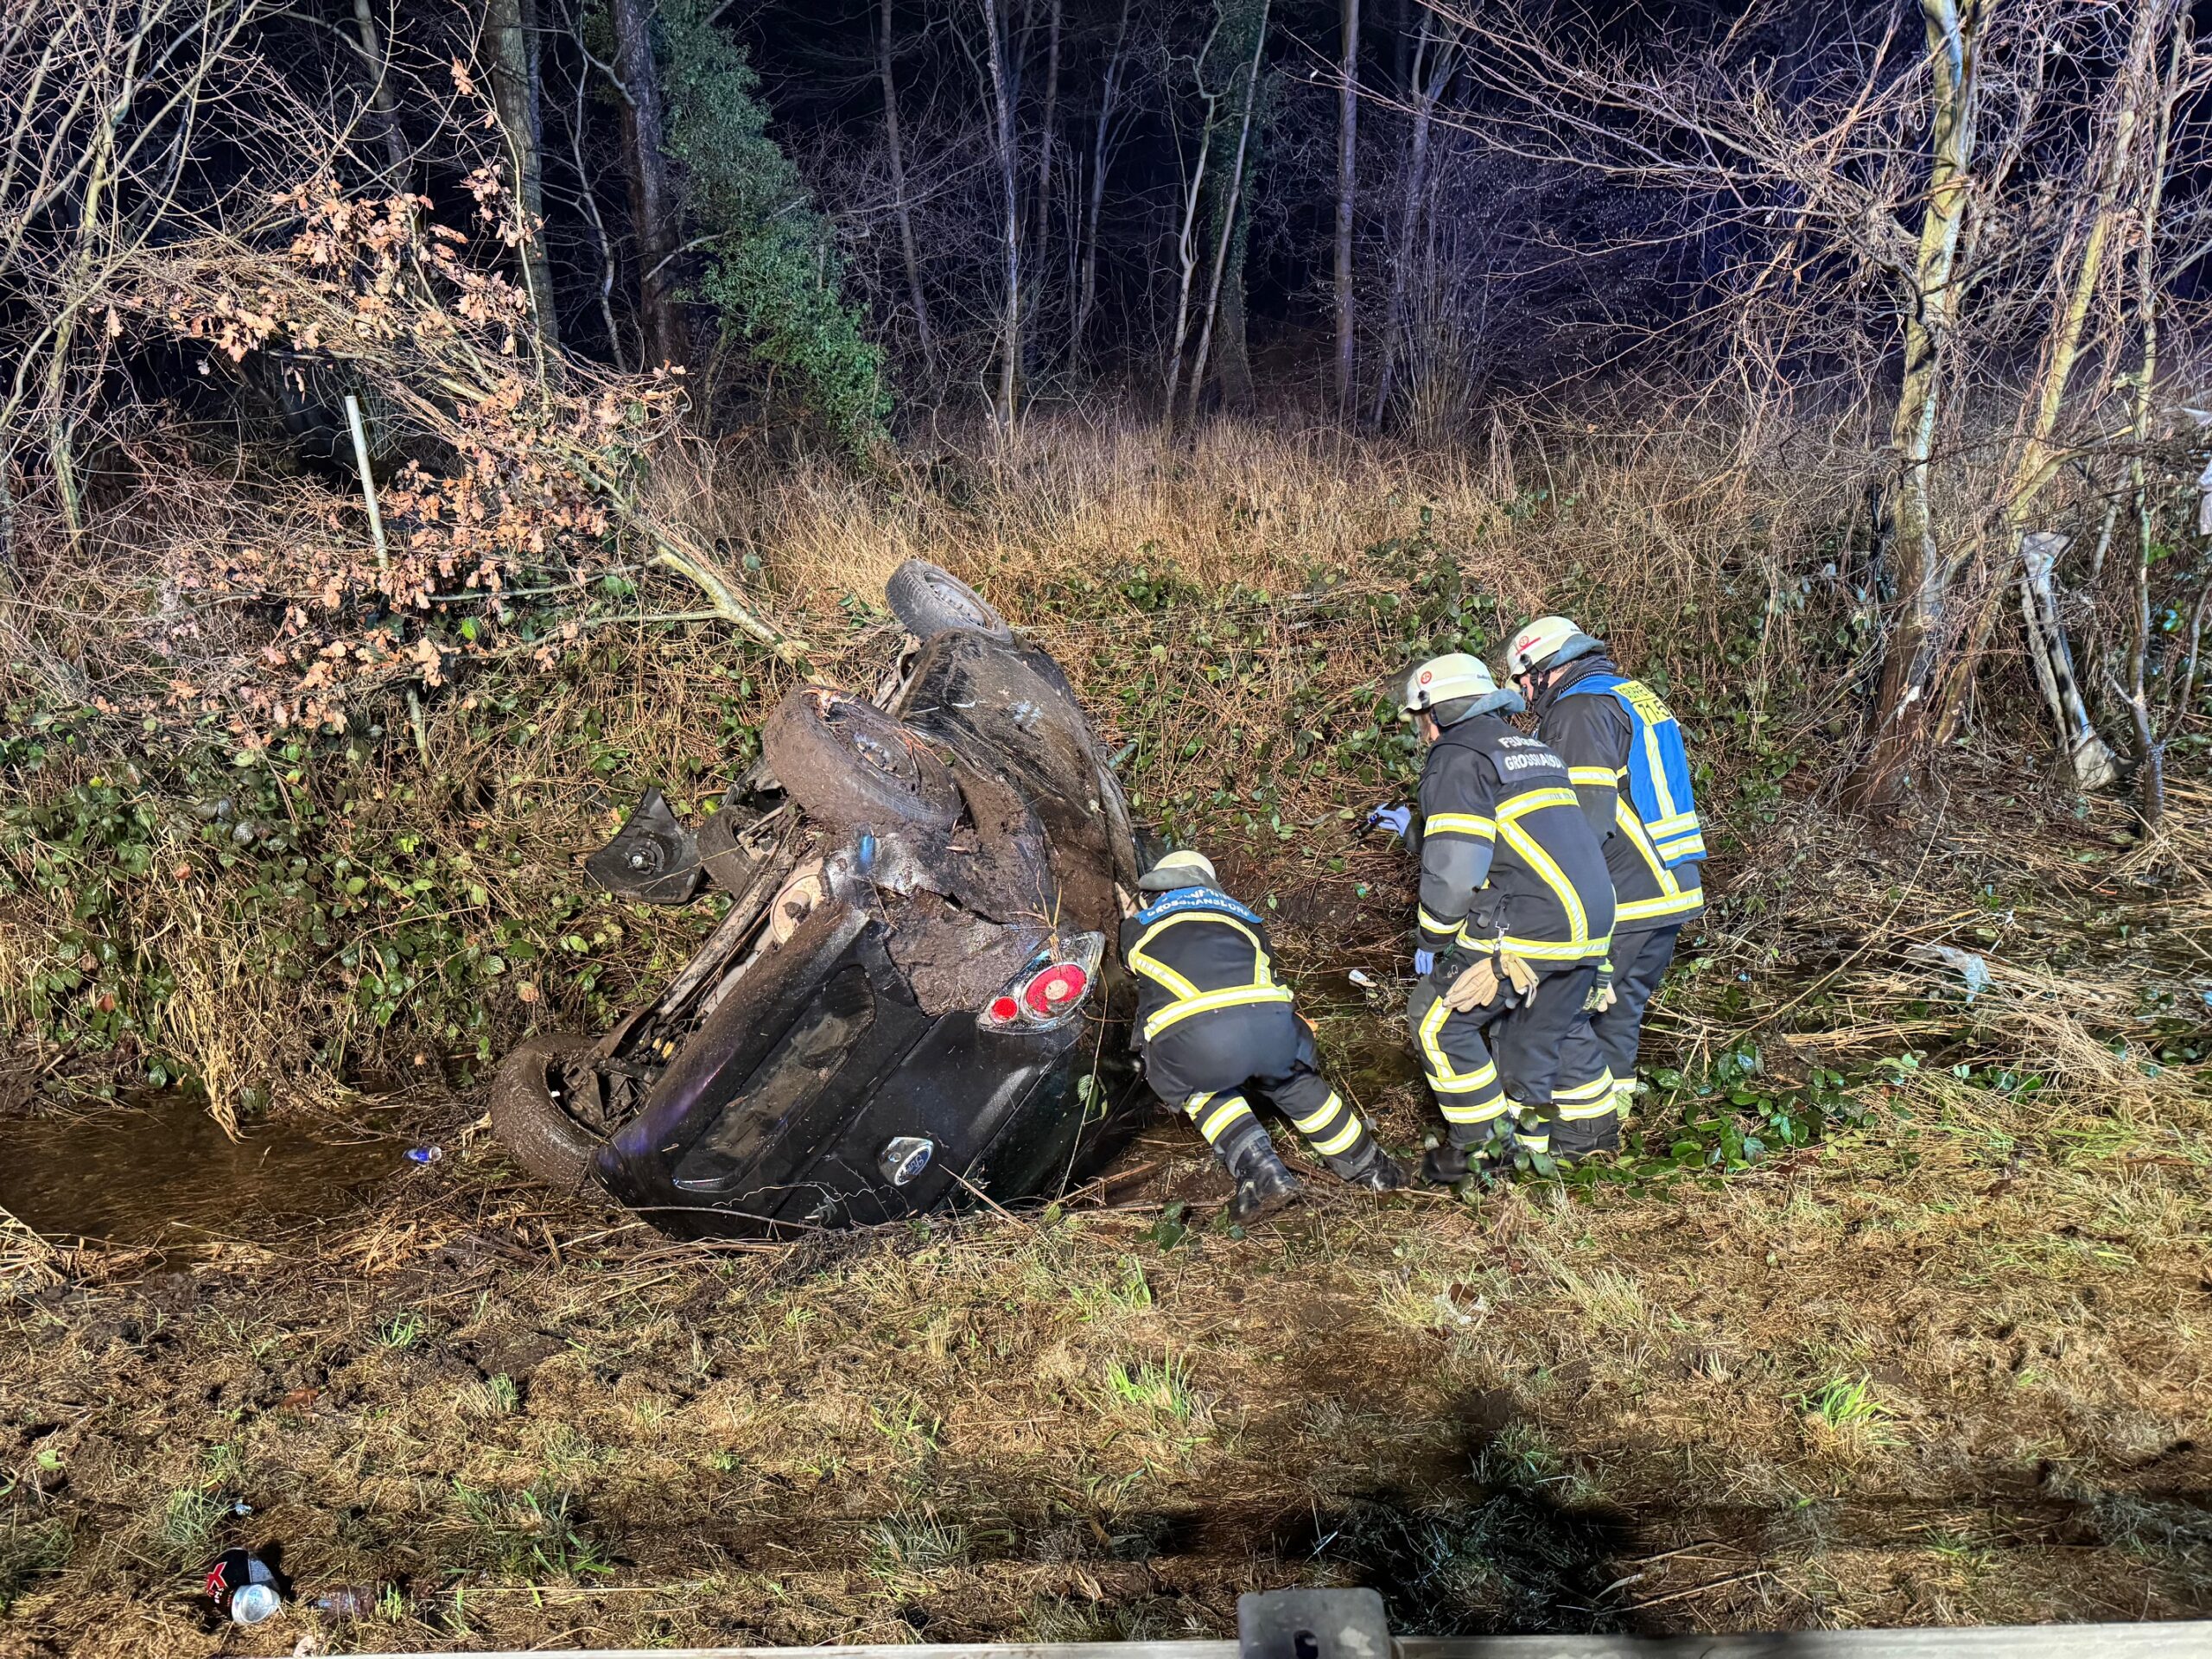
1049,991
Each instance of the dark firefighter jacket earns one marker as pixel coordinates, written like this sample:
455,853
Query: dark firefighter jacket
1506,860
1193,951
1593,734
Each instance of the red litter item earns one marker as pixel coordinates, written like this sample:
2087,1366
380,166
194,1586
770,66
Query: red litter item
233,1570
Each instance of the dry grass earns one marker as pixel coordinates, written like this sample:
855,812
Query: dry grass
1947,1367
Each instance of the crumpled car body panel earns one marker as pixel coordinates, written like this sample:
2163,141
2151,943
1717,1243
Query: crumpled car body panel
858,1034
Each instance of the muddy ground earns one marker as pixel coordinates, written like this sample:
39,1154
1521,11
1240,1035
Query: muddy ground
1947,1365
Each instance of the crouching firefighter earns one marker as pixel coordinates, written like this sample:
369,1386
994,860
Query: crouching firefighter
1515,909
1217,1031
1624,752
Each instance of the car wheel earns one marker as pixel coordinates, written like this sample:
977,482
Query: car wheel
929,601
848,762
529,1119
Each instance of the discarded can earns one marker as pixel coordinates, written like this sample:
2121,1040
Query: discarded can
244,1586
425,1154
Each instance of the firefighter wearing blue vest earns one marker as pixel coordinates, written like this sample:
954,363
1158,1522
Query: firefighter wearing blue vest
1624,752
1515,910
1217,1028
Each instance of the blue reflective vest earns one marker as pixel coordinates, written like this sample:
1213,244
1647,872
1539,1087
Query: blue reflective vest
1658,767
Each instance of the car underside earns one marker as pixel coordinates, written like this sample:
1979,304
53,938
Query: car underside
909,1001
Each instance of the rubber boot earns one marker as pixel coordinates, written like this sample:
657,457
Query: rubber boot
1373,1168
1264,1183
1453,1161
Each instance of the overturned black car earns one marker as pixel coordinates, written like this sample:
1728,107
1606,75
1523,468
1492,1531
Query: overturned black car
911,1000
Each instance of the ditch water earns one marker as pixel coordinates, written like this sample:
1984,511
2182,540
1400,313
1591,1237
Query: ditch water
162,1170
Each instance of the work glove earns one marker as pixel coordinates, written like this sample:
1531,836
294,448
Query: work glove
1423,960
1480,985
1397,819
1601,995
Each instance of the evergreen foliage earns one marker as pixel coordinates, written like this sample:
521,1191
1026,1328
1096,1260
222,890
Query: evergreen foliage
770,271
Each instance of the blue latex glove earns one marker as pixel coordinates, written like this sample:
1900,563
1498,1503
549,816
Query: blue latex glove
1423,960
1397,819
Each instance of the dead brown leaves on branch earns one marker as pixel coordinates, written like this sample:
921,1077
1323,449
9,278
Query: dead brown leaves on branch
518,470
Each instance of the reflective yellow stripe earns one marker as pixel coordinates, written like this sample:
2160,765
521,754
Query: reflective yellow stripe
1673,825
1236,996
1443,1077
1633,826
1429,923
1456,1111
1153,969
1337,1143
1584,1113
1596,1090
1550,950
1459,824
1215,1120
1641,910
1326,1111
1578,919
1595,777
1534,800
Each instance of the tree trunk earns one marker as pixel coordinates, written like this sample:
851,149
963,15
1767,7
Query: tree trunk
586,192
1108,95
2090,760
1427,89
1347,185
1042,262
1903,705
915,296
1232,216
1002,402
380,96
1186,265
652,197
510,36
2150,750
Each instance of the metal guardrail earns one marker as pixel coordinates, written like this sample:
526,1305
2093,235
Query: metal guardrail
2178,1639
1350,1625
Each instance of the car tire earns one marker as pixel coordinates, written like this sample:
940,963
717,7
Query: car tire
532,1125
928,600
848,762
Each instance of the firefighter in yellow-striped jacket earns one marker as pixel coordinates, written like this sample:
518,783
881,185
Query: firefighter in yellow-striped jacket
1218,1030
1515,910
1624,752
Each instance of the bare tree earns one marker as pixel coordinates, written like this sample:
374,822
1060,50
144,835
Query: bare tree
510,35
915,296
1047,125
2077,269
1434,63
1187,238
1110,96
1006,143
652,195
1347,189
1924,577
1232,208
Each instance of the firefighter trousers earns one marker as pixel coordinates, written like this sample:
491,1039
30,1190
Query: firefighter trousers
1536,1058
1213,1066
1639,962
